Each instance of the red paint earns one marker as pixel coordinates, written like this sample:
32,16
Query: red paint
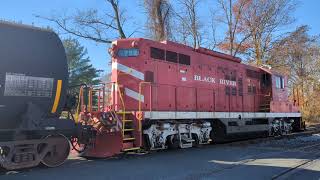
107,144
171,93
213,82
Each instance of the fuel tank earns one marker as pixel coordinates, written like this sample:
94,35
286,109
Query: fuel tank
33,74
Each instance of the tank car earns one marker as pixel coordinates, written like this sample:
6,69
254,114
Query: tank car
168,95
33,91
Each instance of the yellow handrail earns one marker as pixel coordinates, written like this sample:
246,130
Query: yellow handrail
90,100
121,99
79,104
116,86
140,92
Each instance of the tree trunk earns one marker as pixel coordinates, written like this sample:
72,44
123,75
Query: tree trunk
117,16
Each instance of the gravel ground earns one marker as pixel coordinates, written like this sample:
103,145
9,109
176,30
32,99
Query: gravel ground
291,143
295,158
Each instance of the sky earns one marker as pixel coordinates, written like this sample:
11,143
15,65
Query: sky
25,11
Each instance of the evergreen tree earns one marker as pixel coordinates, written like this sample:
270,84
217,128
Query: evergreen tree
80,69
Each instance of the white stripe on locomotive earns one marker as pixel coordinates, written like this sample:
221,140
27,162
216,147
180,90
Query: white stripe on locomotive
214,115
135,95
128,70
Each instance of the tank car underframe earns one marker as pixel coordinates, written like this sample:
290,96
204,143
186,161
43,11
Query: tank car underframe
51,151
29,148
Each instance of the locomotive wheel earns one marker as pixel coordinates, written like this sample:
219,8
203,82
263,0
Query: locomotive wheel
58,151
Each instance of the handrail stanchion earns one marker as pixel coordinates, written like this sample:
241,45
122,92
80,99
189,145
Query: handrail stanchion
140,91
140,108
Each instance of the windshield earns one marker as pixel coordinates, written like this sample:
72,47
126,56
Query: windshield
132,52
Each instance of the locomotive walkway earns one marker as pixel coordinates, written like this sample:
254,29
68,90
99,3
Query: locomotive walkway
287,158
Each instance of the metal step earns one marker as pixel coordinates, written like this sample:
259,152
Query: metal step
185,145
127,120
188,140
266,108
131,149
264,105
126,130
129,139
124,112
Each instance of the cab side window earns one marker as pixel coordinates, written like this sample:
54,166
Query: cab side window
279,82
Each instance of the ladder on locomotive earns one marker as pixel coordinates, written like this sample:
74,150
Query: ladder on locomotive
131,129
130,132
265,104
129,125
266,93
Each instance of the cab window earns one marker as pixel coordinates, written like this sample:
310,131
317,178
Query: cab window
132,52
279,82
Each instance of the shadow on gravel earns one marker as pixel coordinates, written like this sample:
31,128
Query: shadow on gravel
222,161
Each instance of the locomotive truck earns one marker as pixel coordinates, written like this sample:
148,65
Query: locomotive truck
161,95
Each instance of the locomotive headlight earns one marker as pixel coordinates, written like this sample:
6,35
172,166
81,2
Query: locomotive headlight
134,44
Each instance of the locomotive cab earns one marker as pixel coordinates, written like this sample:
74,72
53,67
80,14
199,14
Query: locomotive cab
266,90
274,84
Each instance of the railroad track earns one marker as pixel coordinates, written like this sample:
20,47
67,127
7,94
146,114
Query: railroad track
286,136
309,150
242,142
233,143
316,155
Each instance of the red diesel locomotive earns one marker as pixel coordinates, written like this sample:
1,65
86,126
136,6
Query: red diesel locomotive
165,94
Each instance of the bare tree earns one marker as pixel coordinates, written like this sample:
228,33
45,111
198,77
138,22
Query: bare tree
263,20
159,18
298,55
213,41
232,11
190,23
89,24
